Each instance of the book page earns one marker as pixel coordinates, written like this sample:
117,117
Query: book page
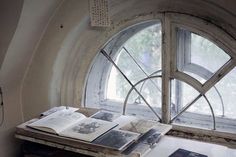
58,121
88,129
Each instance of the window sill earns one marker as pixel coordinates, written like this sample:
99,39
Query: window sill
202,134
183,129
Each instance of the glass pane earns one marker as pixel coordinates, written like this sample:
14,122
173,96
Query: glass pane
118,87
197,56
206,54
222,96
151,91
181,95
198,115
145,48
139,58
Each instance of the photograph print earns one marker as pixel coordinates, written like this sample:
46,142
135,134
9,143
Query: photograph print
186,153
117,139
88,129
105,115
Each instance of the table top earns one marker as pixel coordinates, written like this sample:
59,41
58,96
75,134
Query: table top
167,145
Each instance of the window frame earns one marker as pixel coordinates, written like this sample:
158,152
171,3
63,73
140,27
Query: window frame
221,39
171,21
113,46
184,59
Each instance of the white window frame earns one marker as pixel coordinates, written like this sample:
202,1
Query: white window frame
171,21
221,39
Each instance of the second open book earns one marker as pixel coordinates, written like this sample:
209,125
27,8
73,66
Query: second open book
73,124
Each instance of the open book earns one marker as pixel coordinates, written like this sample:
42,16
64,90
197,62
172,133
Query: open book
73,124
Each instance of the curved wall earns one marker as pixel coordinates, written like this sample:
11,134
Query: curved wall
48,58
10,13
67,49
22,24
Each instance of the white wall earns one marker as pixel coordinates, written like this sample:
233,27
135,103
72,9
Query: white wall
9,15
34,18
46,65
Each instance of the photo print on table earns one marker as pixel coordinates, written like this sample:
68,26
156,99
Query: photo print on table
117,139
106,115
86,128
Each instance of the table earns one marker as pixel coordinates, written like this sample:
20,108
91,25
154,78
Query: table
168,144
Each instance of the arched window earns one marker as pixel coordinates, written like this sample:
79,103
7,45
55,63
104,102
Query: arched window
178,70
136,62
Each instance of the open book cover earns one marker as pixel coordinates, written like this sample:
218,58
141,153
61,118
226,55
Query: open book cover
72,124
117,139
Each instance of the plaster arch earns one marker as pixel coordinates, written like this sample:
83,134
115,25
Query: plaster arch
65,53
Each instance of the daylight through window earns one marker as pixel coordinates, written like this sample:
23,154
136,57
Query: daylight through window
126,76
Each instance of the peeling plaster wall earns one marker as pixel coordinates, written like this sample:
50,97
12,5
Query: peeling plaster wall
53,46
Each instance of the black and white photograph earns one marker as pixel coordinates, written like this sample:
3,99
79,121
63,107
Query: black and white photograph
117,139
186,153
151,137
88,129
106,115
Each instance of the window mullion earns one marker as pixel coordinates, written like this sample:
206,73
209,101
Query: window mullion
166,57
